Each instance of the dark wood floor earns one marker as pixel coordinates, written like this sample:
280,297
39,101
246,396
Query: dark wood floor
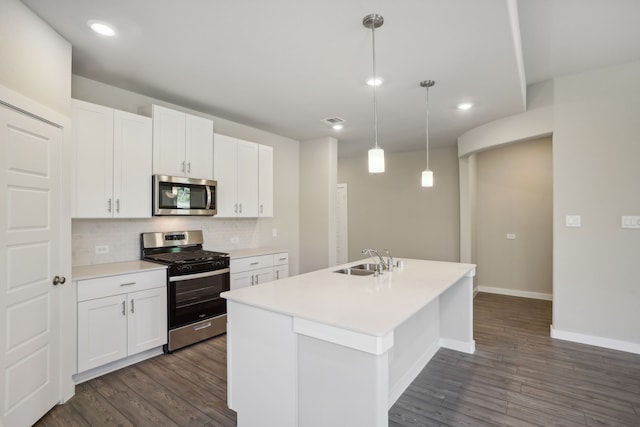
517,377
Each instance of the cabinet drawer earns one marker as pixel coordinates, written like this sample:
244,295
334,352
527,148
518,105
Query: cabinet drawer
251,263
281,258
120,284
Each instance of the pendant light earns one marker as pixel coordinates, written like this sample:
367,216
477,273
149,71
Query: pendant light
427,174
376,154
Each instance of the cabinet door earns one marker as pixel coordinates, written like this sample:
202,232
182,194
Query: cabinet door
281,271
263,275
225,158
147,319
132,167
265,181
199,147
247,179
93,149
102,331
241,279
168,141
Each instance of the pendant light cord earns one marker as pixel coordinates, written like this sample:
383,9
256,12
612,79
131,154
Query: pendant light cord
427,127
375,77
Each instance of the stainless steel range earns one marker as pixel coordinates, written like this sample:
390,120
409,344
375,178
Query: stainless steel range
196,278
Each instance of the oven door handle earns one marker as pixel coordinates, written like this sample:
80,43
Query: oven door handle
208,189
199,275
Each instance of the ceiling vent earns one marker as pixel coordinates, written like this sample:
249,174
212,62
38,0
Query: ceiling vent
332,121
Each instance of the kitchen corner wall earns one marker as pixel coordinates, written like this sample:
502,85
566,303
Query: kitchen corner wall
122,235
391,210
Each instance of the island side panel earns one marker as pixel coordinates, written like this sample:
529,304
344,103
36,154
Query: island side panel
261,366
456,316
339,386
416,341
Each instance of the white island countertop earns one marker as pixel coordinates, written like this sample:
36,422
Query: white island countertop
366,304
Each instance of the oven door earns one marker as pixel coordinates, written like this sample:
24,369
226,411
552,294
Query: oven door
196,297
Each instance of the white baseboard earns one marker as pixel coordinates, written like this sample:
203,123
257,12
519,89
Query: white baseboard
516,293
118,364
468,347
612,344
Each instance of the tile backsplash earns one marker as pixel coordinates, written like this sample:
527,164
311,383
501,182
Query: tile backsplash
122,236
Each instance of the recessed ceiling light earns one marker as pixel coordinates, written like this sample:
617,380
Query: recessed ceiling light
337,127
465,105
102,28
375,81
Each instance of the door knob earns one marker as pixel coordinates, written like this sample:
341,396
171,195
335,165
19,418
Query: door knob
59,280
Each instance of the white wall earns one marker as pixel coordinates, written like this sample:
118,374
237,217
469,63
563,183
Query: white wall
318,172
596,154
122,236
595,167
514,196
391,210
35,60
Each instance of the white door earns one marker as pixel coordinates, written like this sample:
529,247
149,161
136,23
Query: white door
30,158
247,179
132,165
147,326
199,147
225,159
265,181
263,275
102,331
241,279
342,225
168,142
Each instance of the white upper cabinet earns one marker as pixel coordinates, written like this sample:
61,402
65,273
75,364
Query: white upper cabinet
265,181
112,176
182,144
235,168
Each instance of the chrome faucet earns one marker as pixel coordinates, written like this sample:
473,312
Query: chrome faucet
389,260
382,265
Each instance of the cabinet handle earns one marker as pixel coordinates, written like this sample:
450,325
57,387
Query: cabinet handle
255,263
124,309
118,205
257,279
203,326
132,309
183,170
128,284
277,274
261,209
240,207
109,206
252,277
189,167
282,259
235,208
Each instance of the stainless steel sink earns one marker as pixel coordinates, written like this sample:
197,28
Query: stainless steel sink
368,267
355,271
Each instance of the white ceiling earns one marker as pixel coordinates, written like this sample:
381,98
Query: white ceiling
283,65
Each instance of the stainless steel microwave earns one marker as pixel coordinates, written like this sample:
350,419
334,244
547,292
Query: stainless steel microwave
176,195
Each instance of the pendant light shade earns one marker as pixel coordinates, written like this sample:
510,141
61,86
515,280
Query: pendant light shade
427,174
376,154
427,178
376,160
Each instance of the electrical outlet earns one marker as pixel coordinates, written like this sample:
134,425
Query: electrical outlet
102,249
234,240
631,222
274,232
511,236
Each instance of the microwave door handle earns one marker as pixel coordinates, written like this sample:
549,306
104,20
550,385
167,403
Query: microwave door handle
208,196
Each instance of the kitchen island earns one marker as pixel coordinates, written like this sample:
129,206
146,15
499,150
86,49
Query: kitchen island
330,349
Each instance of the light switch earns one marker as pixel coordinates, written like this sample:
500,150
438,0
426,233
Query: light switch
573,220
511,236
631,222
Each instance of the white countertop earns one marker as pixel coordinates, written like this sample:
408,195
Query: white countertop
83,272
366,304
248,252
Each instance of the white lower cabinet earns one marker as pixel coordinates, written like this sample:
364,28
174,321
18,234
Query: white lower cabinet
120,316
254,270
